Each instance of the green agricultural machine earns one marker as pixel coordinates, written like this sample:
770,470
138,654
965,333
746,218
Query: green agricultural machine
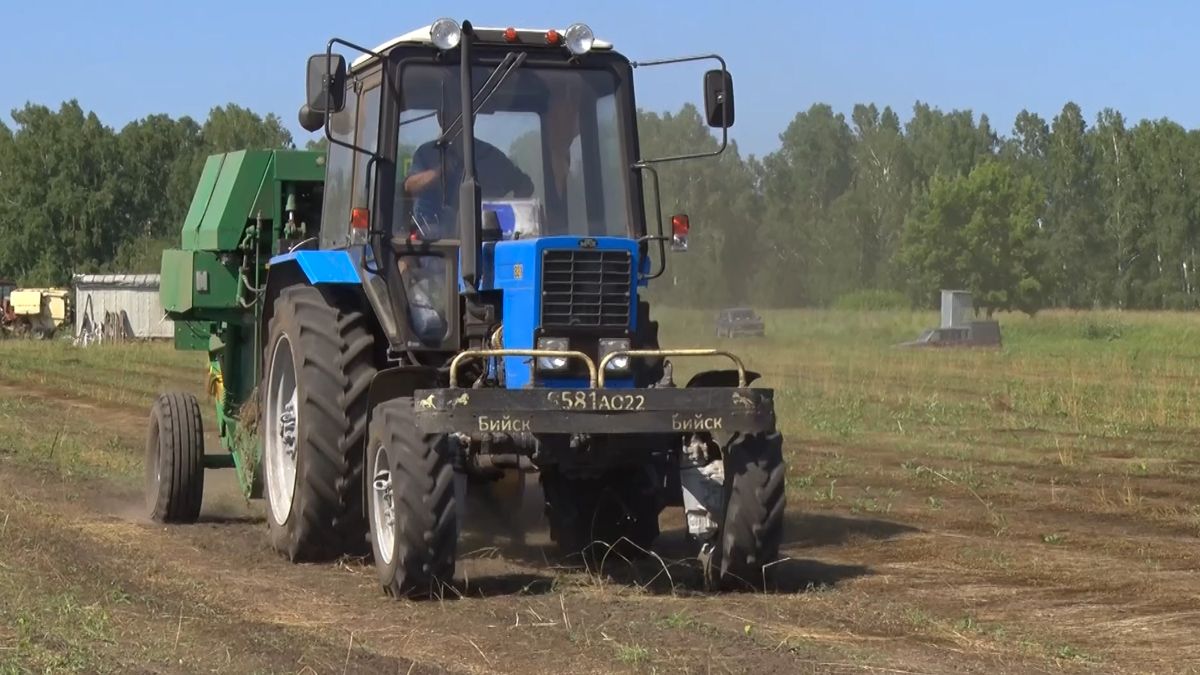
248,206
452,296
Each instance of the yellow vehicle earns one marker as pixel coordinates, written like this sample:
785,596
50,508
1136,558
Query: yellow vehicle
36,312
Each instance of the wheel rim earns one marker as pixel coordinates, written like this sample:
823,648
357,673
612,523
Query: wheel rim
282,422
383,507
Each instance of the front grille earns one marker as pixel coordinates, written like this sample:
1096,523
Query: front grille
586,288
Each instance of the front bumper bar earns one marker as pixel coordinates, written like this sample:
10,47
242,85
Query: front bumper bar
595,411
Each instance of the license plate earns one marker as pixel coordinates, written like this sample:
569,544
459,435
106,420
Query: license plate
595,400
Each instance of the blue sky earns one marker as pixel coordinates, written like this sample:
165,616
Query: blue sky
125,59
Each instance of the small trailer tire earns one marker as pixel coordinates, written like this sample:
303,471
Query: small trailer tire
174,467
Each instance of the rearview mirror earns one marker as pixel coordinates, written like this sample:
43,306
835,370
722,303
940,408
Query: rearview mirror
718,98
326,90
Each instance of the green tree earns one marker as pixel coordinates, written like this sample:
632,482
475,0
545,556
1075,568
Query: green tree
60,181
1121,217
950,144
1164,215
872,211
232,127
156,155
719,195
1029,145
807,252
1072,219
978,232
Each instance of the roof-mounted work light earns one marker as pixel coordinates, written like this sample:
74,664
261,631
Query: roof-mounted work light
579,38
445,34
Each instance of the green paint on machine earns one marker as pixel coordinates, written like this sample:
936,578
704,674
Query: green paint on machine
246,204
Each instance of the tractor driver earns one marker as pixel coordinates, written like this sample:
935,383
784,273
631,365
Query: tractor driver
432,182
437,171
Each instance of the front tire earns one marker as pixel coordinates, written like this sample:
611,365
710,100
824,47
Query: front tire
752,528
412,506
174,467
319,365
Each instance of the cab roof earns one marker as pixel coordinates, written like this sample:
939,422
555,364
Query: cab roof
420,36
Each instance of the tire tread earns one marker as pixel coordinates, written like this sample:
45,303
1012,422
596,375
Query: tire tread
334,347
753,524
423,479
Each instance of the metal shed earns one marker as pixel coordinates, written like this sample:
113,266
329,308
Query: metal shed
136,295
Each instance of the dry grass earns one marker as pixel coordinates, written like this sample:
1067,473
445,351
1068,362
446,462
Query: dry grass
1026,509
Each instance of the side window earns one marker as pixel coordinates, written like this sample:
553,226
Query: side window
335,214
417,127
368,138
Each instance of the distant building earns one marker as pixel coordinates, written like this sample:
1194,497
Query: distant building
120,300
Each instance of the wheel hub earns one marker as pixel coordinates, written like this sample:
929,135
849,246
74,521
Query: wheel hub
281,437
383,508
287,429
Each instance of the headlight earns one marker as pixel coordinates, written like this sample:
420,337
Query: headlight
610,345
579,38
552,362
445,34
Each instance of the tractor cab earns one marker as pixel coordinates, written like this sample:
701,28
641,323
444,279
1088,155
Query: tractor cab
497,173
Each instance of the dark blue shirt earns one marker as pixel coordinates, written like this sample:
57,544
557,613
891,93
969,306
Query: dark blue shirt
436,207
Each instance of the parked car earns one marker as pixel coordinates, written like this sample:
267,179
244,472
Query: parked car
739,322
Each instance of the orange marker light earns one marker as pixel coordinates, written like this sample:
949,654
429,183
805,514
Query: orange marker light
552,37
360,218
510,34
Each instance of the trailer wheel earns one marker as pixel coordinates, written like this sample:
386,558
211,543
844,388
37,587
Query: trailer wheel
318,366
174,470
617,512
412,506
755,499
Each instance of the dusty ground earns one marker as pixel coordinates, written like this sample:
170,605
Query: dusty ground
1013,557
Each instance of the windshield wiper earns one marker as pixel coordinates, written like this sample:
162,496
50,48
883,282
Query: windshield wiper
507,65
477,103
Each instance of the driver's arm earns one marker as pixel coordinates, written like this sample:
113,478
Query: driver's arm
425,170
420,181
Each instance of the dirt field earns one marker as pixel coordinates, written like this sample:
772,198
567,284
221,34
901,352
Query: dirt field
1033,509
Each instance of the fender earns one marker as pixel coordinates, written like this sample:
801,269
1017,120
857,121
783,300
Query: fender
313,268
321,267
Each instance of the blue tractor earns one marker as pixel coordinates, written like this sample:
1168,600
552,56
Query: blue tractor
463,302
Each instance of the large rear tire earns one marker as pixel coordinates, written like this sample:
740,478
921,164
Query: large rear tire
617,512
174,467
412,505
319,361
752,528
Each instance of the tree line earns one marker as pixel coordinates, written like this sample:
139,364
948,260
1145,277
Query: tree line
1061,212
1055,213
77,196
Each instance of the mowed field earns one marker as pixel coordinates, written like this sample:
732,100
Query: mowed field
1030,509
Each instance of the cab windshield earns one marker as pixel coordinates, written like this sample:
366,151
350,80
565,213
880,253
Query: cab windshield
548,152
